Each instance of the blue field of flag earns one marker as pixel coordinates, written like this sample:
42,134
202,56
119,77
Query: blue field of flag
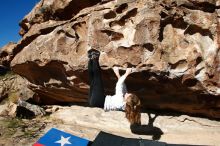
55,137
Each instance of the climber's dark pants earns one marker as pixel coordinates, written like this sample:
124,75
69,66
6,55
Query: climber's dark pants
96,92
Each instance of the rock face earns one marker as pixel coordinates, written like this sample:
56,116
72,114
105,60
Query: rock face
174,45
14,86
6,54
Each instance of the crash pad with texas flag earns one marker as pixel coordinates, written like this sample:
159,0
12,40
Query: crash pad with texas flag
55,137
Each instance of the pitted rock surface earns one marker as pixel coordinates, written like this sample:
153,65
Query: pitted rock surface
174,46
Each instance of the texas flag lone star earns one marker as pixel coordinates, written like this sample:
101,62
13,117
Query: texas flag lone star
55,137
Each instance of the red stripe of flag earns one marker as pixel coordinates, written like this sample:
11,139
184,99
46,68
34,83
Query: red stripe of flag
38,144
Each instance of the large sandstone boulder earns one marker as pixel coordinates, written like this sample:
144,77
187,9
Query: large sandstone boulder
174,45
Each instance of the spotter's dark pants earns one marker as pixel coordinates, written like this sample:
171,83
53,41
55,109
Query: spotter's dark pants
96,92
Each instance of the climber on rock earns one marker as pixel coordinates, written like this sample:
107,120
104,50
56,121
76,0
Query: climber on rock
122,100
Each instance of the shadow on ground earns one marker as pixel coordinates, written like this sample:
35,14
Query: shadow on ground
147,129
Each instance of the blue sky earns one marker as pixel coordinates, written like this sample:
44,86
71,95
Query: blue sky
11,13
